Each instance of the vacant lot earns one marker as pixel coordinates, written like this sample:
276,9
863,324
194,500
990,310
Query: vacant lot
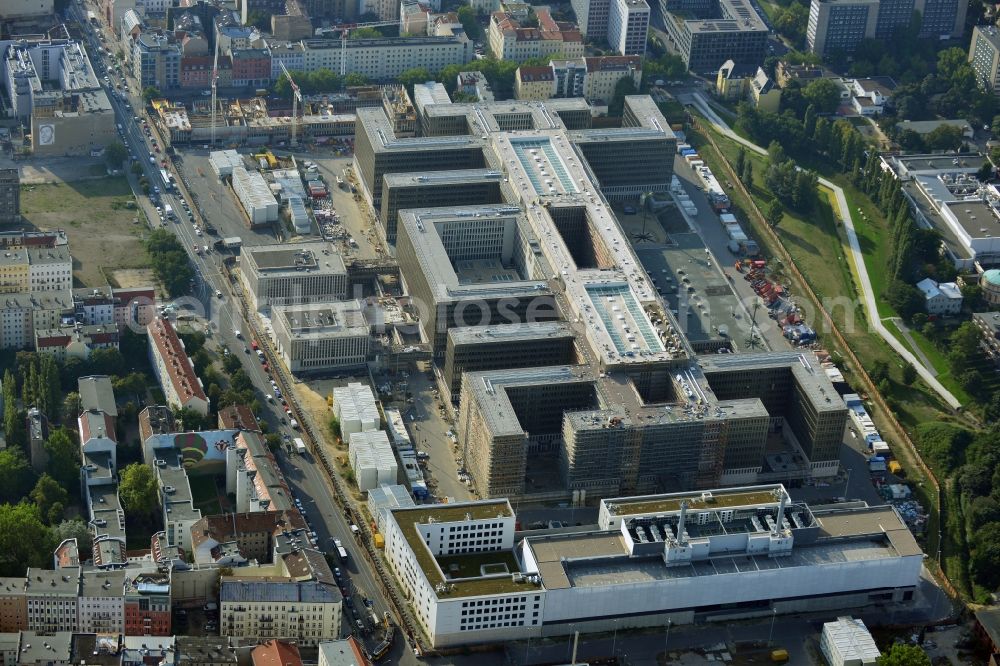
103,232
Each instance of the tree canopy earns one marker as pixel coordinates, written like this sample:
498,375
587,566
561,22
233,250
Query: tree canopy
904,654
51,499
137,489
170,262
24,540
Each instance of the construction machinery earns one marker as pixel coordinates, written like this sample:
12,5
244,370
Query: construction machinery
296,100
215,82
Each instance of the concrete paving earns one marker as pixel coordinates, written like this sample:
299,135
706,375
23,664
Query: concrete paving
867,293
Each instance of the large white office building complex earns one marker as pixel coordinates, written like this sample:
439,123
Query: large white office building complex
293,273
322,337
682,557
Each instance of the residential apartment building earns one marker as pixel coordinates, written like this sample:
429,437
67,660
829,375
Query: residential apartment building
10,196
592,17
989,330
156,61
508,39
940,298
386,58
251,68
292,54
292,274
536,82
984,56
308,612
147,605
51,598
731,30
174,369
13,605
322,337
75,340
276,653
595,79
628,24
34,270
101,607
840,25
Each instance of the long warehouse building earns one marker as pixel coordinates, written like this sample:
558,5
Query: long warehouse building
681,558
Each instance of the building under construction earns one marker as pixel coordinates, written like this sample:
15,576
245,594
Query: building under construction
268,120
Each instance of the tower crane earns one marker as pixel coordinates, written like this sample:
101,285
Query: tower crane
296,100
343,38
215,81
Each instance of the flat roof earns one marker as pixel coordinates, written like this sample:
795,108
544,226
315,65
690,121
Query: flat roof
472,335
409,517
423,228
321,320
97,393
977,218
488,389
600,558
811,378
722,498
293,258
442,178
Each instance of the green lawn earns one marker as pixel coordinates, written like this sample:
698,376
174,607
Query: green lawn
205,494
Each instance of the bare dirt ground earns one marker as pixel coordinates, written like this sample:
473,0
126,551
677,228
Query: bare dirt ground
103,233
61,170
134,277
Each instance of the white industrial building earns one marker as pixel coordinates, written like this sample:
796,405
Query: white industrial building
396,426
683,557
255,196
385,498
355,408
847,642
224,161
322,337
299,216
372,459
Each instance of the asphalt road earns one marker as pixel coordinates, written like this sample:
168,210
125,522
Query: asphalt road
713,234
224,317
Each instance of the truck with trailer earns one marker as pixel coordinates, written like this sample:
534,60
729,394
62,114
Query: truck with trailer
341,551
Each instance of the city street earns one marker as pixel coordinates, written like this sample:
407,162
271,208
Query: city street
224,316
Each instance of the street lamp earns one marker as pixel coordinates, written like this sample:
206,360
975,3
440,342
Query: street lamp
666,639
614,639
774,614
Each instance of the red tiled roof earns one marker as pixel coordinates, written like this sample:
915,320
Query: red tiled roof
532,74
237,417
181,373
276,653
96,417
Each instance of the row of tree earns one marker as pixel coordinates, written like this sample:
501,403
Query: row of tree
170,262
317,82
